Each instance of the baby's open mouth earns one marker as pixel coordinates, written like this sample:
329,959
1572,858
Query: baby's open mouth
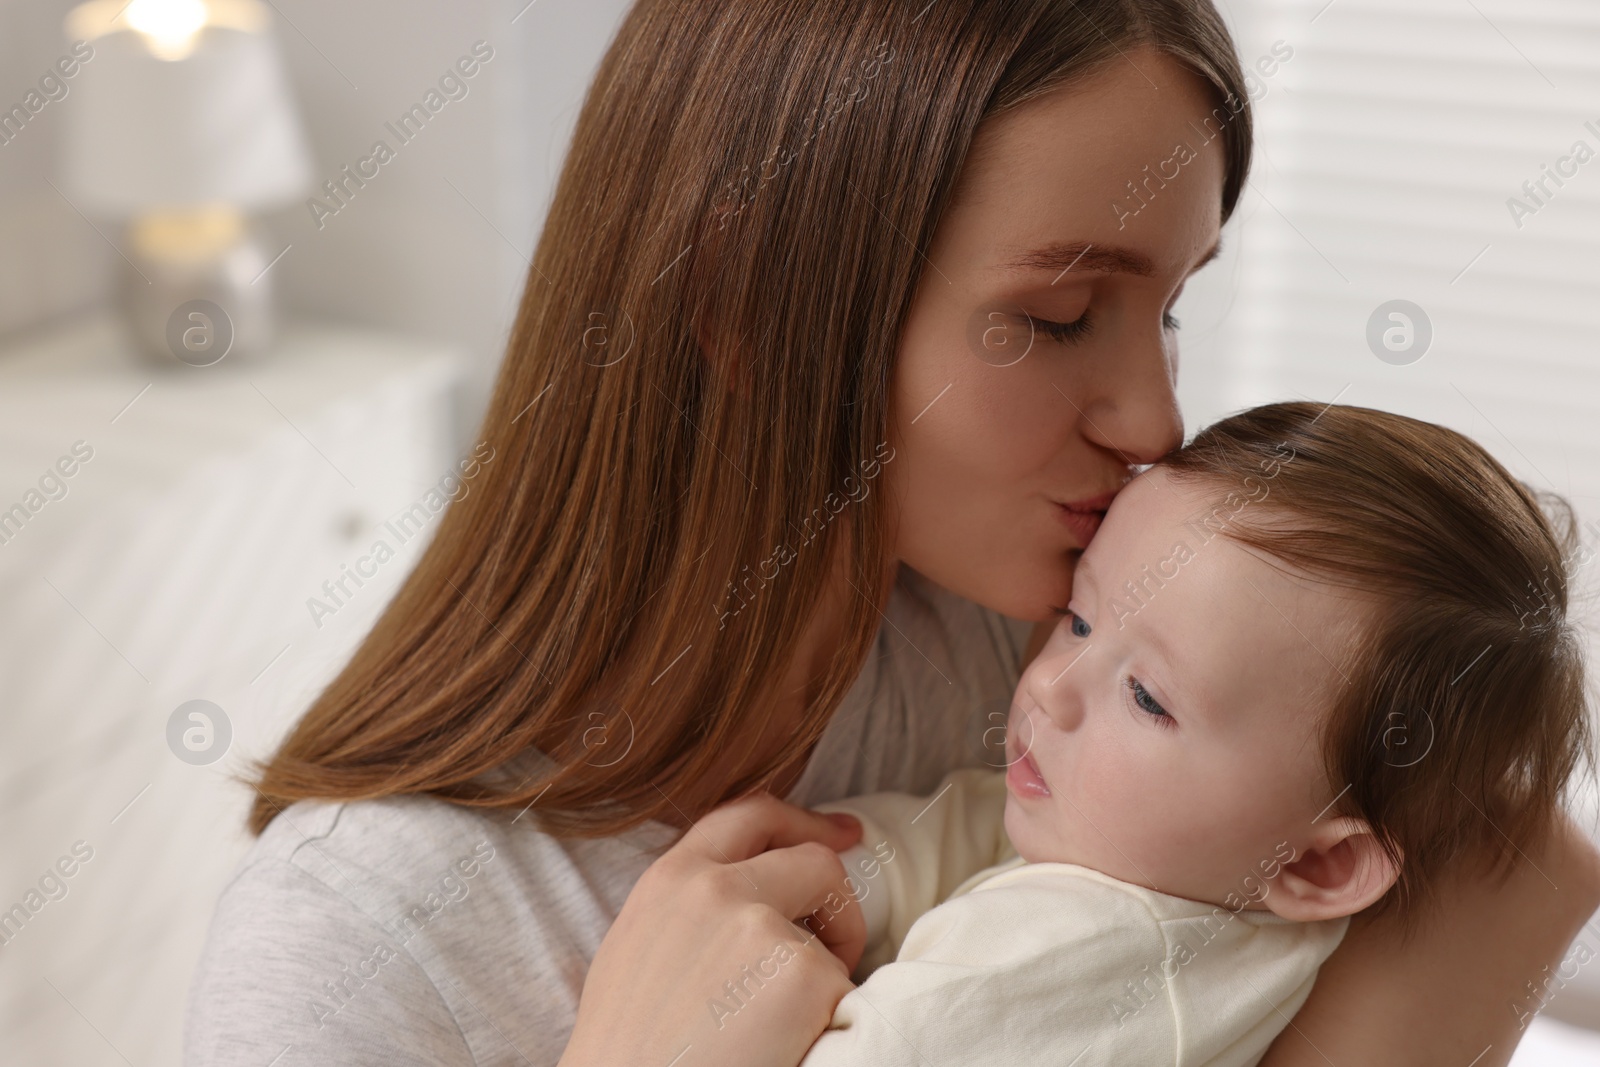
1022,773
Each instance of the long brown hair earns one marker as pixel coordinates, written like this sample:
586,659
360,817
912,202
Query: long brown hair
695,385
1465,708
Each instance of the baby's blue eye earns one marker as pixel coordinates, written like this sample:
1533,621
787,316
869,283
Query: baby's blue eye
1079,627
1147,703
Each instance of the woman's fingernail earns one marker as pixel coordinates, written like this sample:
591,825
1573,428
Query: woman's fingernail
843,820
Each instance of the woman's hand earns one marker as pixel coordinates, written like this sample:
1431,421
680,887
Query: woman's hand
1458,991
704,965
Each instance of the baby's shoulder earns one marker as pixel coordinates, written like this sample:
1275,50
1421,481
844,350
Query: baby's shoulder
1062,903
1128,972
1065,902
1014,912
1018,883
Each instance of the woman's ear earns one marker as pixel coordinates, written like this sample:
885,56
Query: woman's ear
1342,870
724,354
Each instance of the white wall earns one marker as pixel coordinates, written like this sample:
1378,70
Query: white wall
409,252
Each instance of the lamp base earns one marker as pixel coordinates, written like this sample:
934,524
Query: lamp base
200,291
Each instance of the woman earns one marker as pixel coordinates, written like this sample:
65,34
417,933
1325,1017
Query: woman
848,319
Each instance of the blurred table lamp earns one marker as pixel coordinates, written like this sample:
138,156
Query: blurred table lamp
183,126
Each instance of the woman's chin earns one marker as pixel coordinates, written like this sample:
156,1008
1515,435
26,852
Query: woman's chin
1038,594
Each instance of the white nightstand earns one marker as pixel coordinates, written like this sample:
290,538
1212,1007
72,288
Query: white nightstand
174,563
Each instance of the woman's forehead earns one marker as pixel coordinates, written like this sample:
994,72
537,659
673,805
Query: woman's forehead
1080,165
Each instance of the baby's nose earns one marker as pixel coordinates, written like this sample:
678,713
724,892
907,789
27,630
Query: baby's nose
1055,695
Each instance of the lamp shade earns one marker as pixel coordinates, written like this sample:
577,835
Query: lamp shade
218,126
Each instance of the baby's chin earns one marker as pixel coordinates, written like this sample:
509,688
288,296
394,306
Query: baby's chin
1031,845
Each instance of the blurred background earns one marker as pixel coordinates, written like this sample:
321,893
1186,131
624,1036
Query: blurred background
190,497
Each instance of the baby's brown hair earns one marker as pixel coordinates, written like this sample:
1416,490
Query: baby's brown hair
1465,712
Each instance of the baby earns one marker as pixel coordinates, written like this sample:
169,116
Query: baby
1313,661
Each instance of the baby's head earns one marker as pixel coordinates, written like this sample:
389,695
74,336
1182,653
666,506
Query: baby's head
1312,659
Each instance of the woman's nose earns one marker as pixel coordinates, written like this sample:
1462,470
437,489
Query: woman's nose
1135,414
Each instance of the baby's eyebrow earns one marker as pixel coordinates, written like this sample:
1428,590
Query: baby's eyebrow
1165,651
1082,579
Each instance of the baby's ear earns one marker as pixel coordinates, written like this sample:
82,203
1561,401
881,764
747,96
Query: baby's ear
1342,870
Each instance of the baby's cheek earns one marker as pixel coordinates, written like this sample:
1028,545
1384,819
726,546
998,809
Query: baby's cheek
1013,825
1138,813
1024,837
1115,782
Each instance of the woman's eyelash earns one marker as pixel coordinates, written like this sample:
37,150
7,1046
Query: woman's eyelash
1147,704
1066,332
1070,332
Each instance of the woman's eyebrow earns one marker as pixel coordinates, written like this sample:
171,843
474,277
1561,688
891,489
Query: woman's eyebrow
1081,255
1216,250
1062,257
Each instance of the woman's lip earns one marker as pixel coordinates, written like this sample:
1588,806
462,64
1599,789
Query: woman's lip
1094,503
1083,517
1083,524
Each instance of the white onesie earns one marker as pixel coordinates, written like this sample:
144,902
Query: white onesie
979,959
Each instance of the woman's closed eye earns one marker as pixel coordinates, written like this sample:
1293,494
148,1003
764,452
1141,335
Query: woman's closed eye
1141,699
1065,332
1079,328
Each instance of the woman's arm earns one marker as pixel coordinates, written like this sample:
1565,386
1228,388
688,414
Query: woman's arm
705,956
289,961
1455,994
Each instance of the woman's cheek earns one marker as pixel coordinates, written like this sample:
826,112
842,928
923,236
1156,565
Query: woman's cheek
991,427
1026,421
